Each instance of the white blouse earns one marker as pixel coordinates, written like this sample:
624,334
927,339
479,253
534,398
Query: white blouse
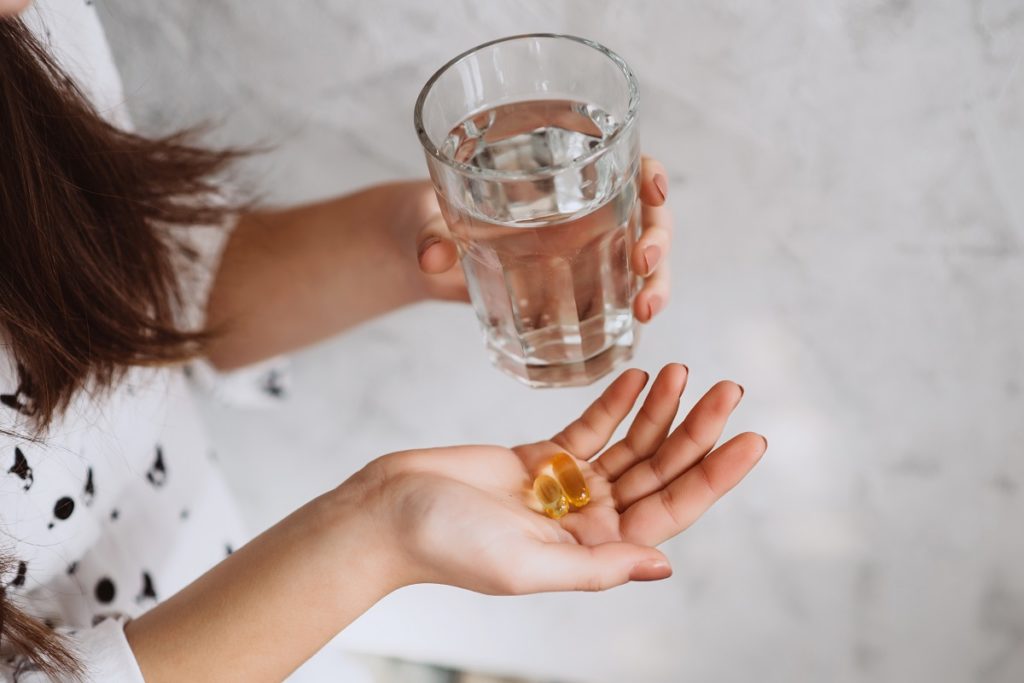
122,503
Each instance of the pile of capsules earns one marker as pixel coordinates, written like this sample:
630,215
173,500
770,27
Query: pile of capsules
560,485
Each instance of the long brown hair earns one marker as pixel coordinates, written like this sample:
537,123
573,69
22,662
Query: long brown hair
89,279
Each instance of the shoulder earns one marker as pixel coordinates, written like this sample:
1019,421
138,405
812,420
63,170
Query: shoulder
72,32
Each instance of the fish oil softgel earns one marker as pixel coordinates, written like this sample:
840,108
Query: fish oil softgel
560,485
570,478
551,497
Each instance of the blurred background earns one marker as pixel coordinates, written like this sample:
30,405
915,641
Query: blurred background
848,183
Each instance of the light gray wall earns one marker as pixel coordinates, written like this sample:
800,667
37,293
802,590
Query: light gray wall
848,180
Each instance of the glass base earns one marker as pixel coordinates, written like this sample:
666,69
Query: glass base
572,374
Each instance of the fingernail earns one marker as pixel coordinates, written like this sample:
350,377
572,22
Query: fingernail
650,570
653,306
765,441
741,390
661,183
652,256
427,244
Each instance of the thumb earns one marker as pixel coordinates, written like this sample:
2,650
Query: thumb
434,248
566,567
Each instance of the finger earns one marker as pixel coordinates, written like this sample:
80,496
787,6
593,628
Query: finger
650,259
654,295
691,441
590,432
434,248
653,182
650,426
598,522
664,513
544,567
651,249
655,239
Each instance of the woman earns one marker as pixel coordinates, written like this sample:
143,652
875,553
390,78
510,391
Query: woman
111,507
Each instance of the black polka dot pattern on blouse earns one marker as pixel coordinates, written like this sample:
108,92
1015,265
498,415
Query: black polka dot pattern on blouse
105,591
21,469
62,509
148,592
90,489
272,384
157,474
19,580
21,400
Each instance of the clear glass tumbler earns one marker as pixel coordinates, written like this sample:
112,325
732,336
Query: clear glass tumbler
532,147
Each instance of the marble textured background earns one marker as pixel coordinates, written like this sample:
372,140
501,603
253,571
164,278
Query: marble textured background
848,179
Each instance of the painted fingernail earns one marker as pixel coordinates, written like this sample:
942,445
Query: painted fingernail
652,256
661,182
427,244
653,306
650,570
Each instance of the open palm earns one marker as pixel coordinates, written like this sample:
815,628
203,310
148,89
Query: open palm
469,518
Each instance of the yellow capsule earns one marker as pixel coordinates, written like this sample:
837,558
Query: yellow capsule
570,477
551,497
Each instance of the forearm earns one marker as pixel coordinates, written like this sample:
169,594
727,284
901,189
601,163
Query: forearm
293,277
272,604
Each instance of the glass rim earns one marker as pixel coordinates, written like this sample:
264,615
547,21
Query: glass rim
631,111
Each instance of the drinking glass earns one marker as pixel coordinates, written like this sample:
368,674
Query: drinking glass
532,147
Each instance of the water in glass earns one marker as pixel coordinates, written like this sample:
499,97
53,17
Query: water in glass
546,258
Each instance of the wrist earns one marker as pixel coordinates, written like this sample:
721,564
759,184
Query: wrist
360,535
412,206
